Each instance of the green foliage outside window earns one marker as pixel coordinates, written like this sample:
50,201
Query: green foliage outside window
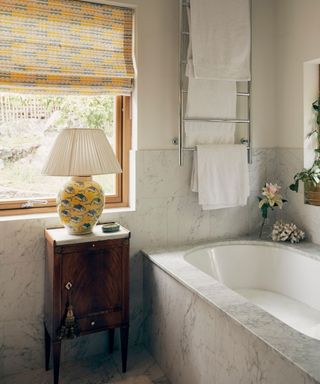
28,127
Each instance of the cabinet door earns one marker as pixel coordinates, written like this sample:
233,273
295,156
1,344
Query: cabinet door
96,277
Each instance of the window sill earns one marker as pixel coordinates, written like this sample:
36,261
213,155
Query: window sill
54,216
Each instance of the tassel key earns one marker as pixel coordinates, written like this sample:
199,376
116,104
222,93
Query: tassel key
69,328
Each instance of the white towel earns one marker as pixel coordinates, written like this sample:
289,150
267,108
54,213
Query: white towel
211,99
220,39
220,176
201,133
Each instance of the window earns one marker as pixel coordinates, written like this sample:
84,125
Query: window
28,127
64,63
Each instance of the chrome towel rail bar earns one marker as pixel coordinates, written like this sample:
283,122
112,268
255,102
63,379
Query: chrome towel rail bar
242,141
235,121
238,93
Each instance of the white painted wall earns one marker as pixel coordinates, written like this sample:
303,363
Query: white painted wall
263,74
297,41
158,72
297,52
157,62
310,94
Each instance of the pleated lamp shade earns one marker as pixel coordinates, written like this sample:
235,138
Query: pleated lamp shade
81,152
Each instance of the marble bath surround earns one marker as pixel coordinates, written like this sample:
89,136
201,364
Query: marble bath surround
198,330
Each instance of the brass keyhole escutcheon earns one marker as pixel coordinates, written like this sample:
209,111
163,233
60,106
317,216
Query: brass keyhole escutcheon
68,286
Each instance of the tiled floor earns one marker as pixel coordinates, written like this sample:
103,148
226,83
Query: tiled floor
142,369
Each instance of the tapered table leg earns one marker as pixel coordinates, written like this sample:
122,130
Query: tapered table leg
47,346
56,347
124,334
111,339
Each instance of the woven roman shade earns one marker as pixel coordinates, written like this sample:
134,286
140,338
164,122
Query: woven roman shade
65,46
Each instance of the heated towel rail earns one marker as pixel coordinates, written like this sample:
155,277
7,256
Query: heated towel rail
183,36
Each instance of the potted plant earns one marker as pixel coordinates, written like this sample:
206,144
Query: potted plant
311,176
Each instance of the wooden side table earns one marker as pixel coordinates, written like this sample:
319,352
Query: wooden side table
87,288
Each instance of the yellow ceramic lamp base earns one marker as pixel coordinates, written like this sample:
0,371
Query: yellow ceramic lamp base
80,204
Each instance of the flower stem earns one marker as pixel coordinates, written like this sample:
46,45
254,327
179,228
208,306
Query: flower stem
261,229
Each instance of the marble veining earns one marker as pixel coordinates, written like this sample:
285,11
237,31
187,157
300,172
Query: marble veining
99,369
167,214
248,343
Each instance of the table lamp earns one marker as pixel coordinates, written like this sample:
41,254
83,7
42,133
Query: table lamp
81,153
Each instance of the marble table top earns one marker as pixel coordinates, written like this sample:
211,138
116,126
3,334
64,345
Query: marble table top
62,237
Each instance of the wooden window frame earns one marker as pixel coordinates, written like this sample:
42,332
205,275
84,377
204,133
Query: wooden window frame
123,145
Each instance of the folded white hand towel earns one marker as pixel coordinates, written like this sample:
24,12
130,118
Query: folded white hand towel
220,39
220,175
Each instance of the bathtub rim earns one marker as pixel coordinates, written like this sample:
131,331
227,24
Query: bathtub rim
300,350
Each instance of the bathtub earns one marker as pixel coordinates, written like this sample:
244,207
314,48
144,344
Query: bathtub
234,312
281,281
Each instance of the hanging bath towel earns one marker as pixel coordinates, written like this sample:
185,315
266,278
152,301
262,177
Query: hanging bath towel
220,175
220,39
208,99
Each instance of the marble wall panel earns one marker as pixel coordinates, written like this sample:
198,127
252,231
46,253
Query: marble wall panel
187,223
167,213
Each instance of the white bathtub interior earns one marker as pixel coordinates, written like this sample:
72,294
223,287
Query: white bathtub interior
283,282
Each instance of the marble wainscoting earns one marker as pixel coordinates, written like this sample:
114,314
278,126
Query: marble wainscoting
22,271
167,213
290,161
194,341
22,267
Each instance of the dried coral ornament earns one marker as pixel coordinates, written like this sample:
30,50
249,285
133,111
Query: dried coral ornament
282,231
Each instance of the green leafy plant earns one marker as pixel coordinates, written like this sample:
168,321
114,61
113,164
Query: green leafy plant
311,176
89,112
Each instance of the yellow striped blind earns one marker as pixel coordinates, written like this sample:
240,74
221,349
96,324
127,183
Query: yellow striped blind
65,46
